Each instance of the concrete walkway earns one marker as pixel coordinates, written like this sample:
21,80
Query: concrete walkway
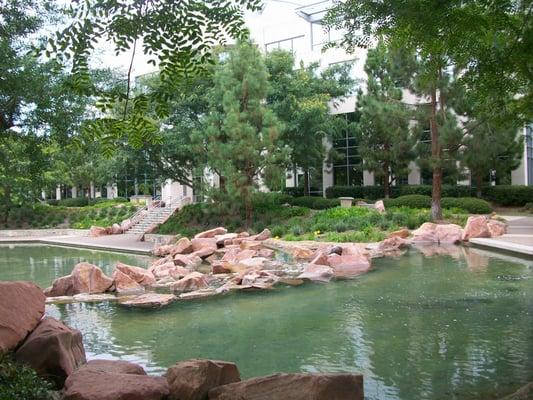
519,237
124,243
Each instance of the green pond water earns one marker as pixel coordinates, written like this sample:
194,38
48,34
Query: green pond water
454,325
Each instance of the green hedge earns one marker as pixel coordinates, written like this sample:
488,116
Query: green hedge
410,200
509,195
472,205
316,203
376,192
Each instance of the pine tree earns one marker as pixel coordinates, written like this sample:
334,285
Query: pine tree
242,133
383,130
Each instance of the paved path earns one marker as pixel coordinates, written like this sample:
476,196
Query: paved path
519,237
126,243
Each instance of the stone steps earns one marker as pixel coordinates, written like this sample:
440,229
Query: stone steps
153,218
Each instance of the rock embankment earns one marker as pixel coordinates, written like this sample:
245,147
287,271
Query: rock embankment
55,351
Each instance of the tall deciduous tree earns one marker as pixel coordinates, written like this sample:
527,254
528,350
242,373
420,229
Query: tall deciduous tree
177,36
301,98
384,135
242,135
443,33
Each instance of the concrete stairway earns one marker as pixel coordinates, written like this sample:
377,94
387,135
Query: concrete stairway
152,218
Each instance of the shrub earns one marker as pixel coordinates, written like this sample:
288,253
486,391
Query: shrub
18,381
278,231
316,203
75,202
410,200
509,195
528,207
469,204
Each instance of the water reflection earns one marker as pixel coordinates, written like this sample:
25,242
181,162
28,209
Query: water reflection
436,324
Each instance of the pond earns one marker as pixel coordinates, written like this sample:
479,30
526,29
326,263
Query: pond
457,325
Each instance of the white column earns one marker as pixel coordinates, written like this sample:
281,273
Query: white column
74,192
519,175
368,178
414,174
43,194
58,192
91,190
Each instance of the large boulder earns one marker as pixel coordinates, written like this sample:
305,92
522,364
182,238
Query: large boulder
191,282
221,239
293,387
204,247
138,274
116,229
114,366
379,206
349,265
496,228
125,285
316,272
63,286
21,309
476,227
192,379
111,381
96,231
425,233
211,233
448,233
88,278
53,350
401,233
148,300
263,235
163,250
392,244
187,260
182,246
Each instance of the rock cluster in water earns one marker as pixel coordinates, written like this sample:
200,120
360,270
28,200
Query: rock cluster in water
215,262
56,353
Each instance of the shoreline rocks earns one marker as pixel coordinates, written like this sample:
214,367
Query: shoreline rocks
21,310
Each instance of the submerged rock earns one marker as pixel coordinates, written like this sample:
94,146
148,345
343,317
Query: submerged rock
21,309
192,379
293,387
148,300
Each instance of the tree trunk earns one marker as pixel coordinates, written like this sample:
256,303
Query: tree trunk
479,183
306,183
436,192
386,180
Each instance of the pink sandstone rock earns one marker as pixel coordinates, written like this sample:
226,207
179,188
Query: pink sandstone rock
476,227
116,229
192,281
148,300
349,265
125,285
126,224
96,231
221,239
163,250
179,272
319,273
448,233
88,278
497,228
264,235
53,350
379,206
211,233
425,233
402,233
138,274
267,253
392,244
21,309
320,259
182,246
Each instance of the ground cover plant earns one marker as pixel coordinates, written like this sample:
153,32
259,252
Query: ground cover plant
18,381
294,222
43,216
